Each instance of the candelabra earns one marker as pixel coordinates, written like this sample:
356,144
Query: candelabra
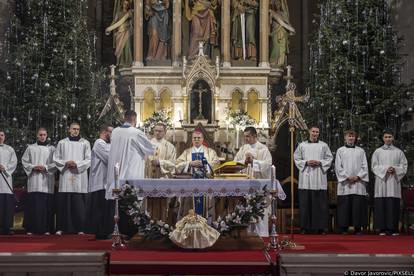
117,239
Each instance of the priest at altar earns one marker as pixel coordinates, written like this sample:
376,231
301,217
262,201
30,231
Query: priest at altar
160,165
199,161
255,154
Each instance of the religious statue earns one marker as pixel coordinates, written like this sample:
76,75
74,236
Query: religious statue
243,31
123,31
203,25
156,12
280,29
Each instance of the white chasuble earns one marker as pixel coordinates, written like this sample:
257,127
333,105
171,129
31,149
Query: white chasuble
388,185
73,180
129,146
262,159
313,178
39,155
9,160
99,165
262,162
165,153
183,162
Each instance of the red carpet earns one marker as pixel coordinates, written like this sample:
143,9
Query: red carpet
180,261
352,244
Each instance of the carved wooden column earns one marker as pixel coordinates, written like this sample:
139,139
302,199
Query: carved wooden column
225,32
138,33
176,35
264,33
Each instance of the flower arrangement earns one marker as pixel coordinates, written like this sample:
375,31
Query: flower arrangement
157,117
244,214
133,206
240,119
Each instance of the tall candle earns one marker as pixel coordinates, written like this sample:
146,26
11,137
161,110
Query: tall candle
180,115
273,177
237,137
116,172
227,132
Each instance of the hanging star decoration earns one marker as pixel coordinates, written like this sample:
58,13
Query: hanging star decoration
113,100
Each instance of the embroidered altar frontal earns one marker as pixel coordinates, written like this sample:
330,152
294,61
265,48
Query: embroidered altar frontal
196,187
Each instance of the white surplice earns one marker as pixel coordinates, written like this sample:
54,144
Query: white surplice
313,178
351,161
39,155
9,160
129,146
165,153
99,165
73,180
388,185
262,162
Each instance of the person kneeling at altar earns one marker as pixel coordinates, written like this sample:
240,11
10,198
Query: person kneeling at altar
258,156
199,160
161,165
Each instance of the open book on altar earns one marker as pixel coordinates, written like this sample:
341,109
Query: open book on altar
230,167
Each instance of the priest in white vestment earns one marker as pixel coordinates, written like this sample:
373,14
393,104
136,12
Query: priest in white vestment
199,169
8,164
73,159
37,160
100,210
389,166
351,168
313,158
258,156
129,147
160,165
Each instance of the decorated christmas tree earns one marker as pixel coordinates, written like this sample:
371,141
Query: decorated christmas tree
52,78
354,75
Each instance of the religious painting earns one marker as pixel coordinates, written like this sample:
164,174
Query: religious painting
166,101
253,105
149,103
237,100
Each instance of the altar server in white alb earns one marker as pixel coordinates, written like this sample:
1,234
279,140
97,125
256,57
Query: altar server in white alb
389,166
313,158
258,156
100,210
129,146
8,164
160,165
38,164
351,169
72,158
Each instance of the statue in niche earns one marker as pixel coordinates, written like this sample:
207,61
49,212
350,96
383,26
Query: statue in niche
203,25
123,31
200,102
243,29
280,29
158,16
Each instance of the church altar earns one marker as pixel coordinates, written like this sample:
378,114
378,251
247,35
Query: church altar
198,187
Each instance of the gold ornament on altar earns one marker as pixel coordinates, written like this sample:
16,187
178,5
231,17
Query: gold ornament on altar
193,232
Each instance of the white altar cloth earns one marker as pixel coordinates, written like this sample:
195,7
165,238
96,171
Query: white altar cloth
200,187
